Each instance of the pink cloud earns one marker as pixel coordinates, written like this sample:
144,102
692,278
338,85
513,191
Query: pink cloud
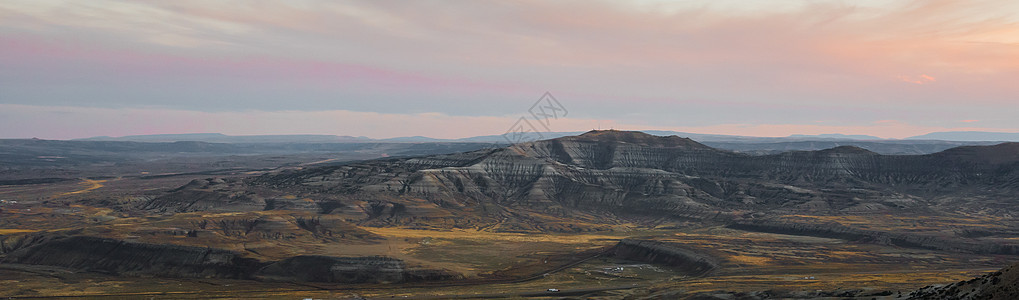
920,79
50,57
614,59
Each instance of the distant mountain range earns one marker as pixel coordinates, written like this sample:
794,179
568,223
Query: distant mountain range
967,136
837,136
222,138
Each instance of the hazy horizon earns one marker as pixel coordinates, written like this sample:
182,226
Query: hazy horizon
945,135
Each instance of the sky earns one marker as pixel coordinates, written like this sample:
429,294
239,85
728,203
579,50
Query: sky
451,69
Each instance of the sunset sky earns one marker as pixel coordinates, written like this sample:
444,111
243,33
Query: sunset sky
449,69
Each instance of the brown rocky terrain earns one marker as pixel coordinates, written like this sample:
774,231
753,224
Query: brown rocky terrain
635,175
663,212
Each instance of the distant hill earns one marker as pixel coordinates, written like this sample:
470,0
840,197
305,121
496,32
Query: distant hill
836,136
222,138
700,137
743,144
33,153
969,136
952,136
412,139
495,138
896,147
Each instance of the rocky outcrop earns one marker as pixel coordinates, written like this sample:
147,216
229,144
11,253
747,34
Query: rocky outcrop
665,254
829,230
11,243
110,256
212,194
1003,284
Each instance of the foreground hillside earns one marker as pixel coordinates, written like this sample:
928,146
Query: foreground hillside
1002,284
606,213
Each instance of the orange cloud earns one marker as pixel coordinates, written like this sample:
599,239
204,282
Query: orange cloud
921,79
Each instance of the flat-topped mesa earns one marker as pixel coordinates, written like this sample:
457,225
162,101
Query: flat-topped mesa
606,149
636,137
848,150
